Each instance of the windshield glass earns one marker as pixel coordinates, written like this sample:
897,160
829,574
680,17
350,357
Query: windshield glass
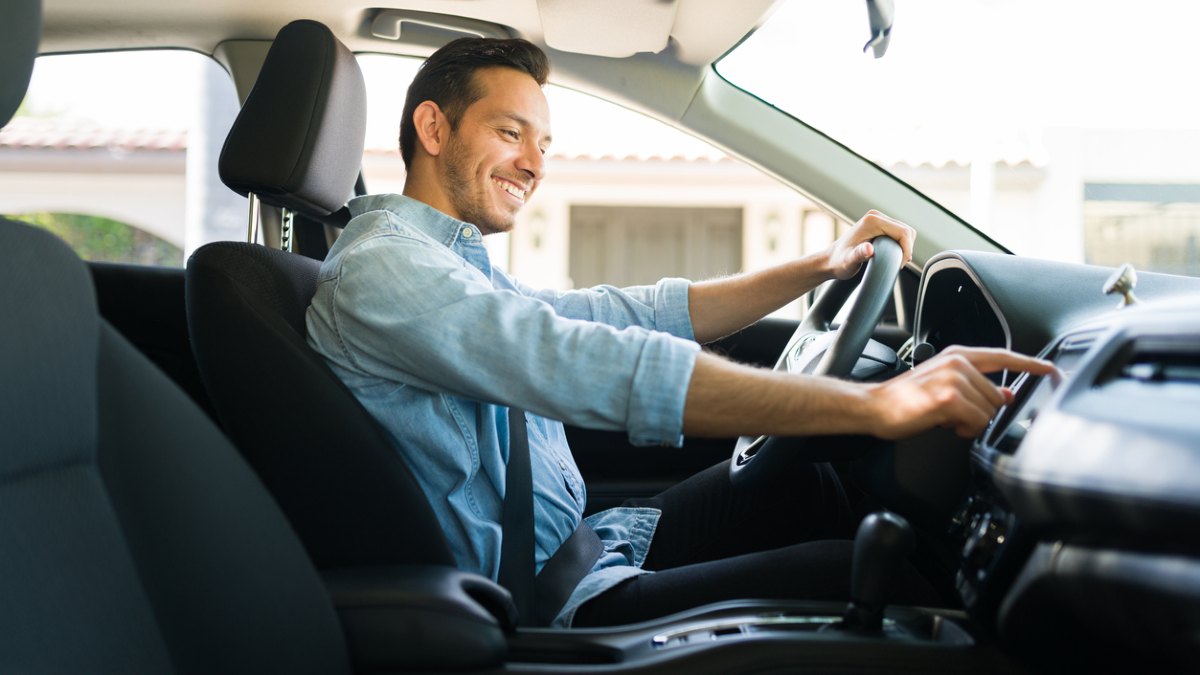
1064,130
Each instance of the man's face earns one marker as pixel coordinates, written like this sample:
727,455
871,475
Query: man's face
493,160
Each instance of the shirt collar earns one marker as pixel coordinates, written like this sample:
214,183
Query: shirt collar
460,237
439,226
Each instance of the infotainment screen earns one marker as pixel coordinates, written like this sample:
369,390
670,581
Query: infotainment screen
1032,392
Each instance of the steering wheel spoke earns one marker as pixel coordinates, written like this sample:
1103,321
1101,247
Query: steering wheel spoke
817,350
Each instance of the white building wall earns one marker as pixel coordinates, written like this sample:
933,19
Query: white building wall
153,202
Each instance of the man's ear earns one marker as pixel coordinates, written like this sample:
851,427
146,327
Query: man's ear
432,127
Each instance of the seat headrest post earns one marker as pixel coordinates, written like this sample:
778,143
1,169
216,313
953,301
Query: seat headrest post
254,219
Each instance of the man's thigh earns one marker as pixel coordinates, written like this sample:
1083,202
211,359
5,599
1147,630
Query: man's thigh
818,570
707,518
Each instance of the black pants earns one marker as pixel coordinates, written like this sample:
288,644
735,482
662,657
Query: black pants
788,538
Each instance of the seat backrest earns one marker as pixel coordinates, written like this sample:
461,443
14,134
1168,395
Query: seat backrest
328,463
298,143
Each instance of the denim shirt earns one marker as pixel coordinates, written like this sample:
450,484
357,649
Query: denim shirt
436,344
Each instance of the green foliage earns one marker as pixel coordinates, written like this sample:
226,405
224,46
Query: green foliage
107,240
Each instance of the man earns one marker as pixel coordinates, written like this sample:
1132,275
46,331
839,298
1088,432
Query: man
437,344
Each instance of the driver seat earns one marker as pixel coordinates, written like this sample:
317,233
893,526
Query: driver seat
297,143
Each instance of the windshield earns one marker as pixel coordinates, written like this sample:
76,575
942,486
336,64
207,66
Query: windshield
1063,130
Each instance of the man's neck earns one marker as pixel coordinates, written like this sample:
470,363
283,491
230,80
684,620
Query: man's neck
427,193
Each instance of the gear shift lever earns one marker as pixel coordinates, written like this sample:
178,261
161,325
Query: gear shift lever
882,542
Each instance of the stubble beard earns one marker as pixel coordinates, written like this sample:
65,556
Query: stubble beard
467,198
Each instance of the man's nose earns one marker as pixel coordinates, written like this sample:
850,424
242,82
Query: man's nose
532,160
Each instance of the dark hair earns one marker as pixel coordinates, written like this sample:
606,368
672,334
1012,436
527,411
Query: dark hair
448,78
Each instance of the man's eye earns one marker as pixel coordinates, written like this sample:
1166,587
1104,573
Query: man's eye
511,133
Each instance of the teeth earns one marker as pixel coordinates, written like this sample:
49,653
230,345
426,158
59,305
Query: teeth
510,189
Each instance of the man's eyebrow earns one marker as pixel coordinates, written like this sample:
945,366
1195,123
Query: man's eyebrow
523,122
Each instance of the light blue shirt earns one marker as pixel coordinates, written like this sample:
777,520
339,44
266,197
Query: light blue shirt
436,344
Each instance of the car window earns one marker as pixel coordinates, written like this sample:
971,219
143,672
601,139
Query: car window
626,199
116,153
1063,130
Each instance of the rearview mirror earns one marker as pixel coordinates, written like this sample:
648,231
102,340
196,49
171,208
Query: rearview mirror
881,13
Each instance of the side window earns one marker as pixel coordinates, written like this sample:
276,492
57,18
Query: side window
116,153
626,199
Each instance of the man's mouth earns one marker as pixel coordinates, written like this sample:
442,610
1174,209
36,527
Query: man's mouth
511,188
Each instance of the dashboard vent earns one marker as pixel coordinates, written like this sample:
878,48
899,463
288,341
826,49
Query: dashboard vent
1156,359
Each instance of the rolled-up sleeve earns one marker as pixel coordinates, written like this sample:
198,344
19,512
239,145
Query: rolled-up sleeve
413,312
662,306
656,405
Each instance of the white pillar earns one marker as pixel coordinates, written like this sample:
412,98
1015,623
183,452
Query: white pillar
213,211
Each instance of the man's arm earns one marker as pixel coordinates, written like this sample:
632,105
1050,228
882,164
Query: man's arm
722,306
729,399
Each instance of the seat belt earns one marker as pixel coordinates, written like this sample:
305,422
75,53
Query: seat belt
516,546
539,599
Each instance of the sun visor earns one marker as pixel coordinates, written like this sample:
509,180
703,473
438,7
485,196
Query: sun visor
617,28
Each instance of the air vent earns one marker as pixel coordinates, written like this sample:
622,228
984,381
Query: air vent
1149,360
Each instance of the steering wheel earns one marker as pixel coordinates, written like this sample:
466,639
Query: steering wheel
816,350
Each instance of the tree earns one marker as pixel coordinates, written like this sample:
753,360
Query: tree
107,240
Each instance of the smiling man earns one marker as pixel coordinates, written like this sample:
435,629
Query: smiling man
438,345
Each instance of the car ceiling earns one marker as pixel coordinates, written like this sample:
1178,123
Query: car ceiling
685,31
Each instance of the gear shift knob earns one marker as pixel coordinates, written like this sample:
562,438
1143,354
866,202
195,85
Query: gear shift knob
883,541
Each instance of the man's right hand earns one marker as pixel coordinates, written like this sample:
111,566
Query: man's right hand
949,390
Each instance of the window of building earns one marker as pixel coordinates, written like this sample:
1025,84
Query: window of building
1156,228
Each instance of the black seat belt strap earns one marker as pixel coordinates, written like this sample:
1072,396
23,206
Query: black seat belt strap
539,599
563,572
516,548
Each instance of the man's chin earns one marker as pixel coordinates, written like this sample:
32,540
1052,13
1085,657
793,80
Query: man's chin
495,226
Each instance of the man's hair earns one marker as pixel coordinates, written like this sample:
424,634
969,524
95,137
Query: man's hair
448,79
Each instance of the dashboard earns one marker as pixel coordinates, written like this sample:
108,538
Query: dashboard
1084,492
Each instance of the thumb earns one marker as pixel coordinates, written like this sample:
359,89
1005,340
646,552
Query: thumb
863,252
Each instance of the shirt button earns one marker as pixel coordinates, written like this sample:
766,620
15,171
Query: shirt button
562,466
467,233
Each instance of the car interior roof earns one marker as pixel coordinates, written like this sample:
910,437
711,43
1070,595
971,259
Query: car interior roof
692,39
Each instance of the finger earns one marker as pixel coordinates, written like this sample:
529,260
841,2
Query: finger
862,253
992,395
903,234
977,391
908,242
991,359
968,419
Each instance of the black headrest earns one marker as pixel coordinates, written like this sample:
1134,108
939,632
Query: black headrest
298,140
20,32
